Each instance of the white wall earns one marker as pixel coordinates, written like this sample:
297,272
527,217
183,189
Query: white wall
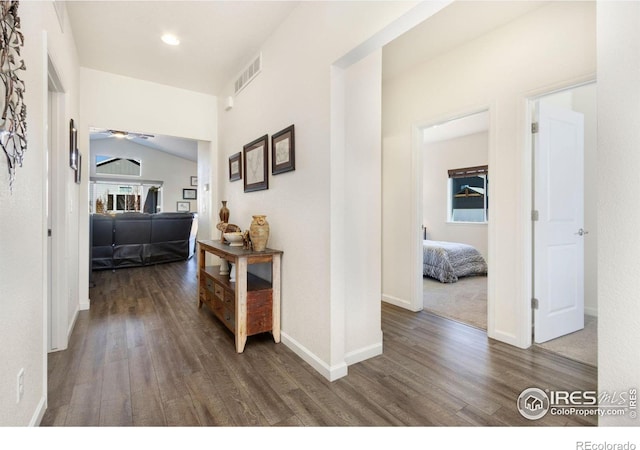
465,151
174,171
618,164
492,71
297,204
362,208
23,274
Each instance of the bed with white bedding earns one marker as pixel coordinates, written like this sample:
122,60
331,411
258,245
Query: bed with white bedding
448,261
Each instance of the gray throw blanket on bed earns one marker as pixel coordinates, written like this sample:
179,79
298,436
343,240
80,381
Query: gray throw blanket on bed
447,261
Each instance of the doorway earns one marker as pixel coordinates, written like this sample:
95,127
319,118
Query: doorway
455,202
55,201
564,223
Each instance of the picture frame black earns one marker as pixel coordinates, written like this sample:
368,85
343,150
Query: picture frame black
283,151
235,166
189,194
255,158
183,206
73,145
194,181
78,172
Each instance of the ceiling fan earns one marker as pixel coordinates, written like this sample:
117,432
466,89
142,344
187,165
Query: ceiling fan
124,134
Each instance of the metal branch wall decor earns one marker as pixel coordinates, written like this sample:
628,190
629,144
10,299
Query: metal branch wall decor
13,122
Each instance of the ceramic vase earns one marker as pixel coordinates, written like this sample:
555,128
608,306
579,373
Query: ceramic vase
259,232
224,212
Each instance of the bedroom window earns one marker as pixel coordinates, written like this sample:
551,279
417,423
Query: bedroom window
468,194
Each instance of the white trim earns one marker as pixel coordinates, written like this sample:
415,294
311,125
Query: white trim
416,302
364,353
58,129
589,311
400,302
84,305
331,373
72,324
38,414
44,263
507,338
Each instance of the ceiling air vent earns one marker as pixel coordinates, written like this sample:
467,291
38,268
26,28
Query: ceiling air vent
248,74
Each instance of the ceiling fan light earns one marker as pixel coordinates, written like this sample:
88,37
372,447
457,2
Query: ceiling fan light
119,134
170,39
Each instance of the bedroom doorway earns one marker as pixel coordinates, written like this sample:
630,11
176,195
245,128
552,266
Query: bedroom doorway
564,222
455,206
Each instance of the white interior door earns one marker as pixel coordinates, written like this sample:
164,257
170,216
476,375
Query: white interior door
558,232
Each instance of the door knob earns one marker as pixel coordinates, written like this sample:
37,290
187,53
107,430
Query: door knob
581,232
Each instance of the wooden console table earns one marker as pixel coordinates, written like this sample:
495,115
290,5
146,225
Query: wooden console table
248,306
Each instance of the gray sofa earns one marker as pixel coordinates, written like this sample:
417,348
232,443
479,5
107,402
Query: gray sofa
139,239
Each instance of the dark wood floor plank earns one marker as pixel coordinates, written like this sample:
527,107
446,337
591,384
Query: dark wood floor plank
180,412
84,407
146,355
116,413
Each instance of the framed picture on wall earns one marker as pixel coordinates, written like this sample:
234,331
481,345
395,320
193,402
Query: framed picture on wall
194,181
78,177
255,157
283,151
183,206
189,194
73,145
235,167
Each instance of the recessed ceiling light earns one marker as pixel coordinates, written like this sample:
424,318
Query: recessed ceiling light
170,39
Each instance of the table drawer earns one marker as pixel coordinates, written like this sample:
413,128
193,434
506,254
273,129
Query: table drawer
218,292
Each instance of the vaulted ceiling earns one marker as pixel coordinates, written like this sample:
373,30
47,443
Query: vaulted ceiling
217,38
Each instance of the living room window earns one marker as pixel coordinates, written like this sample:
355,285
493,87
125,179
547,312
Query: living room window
468,194
115,198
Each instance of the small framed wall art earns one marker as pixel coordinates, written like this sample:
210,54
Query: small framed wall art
73,145
255,157
189,194
235,167
283,151
78,177
194,181
183,206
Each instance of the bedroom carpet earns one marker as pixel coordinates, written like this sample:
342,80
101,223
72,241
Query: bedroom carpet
580,346
466,302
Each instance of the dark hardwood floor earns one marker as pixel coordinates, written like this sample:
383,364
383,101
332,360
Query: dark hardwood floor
145,355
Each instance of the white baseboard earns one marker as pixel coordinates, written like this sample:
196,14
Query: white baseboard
591,311
72,325
331,373
38,414
85,304
507,338
402,303
364,353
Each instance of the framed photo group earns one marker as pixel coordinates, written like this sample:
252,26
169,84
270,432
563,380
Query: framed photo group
188,194
252,164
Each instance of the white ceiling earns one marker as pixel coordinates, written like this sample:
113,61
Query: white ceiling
218,38
463,126
452,26
184,148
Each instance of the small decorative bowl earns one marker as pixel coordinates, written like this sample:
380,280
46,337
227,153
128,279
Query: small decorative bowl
234,238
